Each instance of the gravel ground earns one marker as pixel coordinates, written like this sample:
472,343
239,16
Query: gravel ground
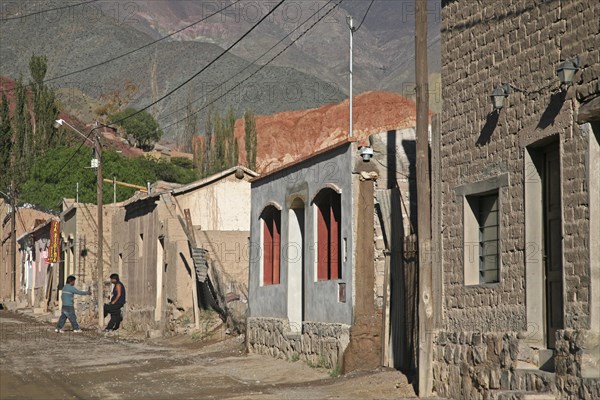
37,363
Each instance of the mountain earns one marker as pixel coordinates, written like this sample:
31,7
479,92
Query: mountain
79,41
311,73
383,46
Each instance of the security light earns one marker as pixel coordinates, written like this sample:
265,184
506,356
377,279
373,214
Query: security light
366,153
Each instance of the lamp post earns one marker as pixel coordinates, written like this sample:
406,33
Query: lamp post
100,255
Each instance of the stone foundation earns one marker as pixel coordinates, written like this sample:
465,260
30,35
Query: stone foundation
478,365
319,343
577,364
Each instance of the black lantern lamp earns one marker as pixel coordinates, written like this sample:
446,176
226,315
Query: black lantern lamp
566,70
499,94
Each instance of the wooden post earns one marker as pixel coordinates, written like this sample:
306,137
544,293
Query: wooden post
192,238
100,255
425,360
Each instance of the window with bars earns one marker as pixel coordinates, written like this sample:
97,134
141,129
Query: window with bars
487,218
481,239
271,246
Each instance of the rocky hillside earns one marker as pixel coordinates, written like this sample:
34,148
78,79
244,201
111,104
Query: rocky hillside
384,45
288,136
79,39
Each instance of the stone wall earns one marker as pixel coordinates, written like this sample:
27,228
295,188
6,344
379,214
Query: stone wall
519,42
320,343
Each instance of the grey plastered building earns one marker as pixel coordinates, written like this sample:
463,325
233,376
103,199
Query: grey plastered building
316,261
519,205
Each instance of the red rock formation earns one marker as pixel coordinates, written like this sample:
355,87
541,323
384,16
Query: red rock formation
288,136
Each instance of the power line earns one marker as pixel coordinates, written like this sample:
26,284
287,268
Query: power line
204,68
142,47
251,63
48,10
364,16
262,66
139,48
172,91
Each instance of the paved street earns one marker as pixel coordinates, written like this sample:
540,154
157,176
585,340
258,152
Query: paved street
36,363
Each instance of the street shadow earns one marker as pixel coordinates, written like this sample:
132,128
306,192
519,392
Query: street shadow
551,112
488,129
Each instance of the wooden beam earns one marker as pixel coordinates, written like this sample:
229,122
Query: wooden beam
125,184
192,238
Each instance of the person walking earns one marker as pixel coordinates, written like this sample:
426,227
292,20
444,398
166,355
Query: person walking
68,306
117,302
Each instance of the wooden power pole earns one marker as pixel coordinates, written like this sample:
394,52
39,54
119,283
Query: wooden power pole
100,255
425,326
13,238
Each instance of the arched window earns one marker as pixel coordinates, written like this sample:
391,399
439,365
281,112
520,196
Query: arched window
329,218
271,246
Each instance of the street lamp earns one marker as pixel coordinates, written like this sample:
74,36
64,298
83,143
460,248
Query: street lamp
98,165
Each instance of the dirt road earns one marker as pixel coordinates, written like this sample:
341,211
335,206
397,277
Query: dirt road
37,363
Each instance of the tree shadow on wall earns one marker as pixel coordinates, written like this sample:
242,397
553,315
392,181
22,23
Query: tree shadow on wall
488,129
551,112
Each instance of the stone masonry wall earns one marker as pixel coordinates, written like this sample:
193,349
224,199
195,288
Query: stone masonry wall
319,343
518,42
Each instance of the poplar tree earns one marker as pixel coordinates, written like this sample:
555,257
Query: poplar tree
250,139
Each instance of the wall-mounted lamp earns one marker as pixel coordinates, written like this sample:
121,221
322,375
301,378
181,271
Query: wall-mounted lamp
366,153
499,94
566,70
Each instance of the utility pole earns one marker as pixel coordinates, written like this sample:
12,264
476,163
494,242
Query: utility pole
98,165
100,256
425,360
13,233
350,21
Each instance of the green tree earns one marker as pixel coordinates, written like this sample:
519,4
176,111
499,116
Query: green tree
44,105
142,126
47,184
5,140
22,130
250,139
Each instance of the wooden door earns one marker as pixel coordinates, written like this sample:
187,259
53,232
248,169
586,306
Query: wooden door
553,244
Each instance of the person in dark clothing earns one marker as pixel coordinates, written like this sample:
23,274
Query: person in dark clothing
117,302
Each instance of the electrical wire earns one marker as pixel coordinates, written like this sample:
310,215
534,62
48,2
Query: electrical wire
249,64
364,16
258,70
203,68
172,91
54,78
142,47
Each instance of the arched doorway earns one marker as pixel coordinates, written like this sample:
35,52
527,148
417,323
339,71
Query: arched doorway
295,264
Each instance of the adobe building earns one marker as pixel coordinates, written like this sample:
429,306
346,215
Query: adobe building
38,274
25,221
520,202
79,252
153,248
